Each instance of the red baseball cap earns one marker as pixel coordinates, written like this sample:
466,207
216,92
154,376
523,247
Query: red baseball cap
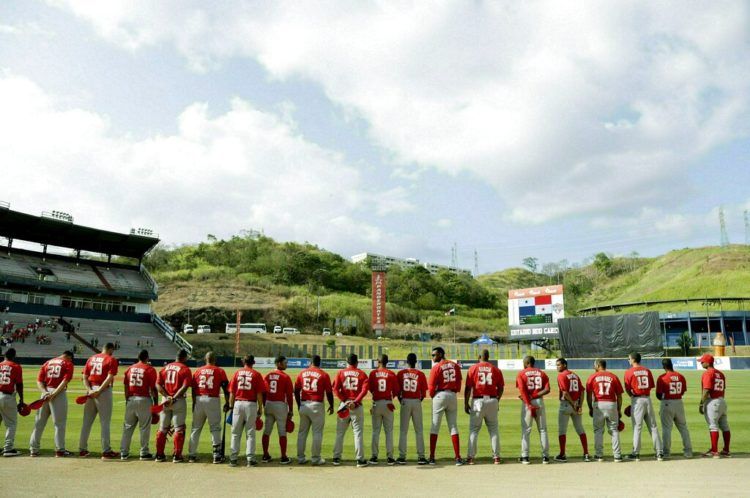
707,358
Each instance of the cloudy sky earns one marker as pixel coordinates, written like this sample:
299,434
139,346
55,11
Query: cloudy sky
548,129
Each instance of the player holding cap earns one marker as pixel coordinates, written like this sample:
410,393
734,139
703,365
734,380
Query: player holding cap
714,407
11,382
279,406
173,382
444,384
384,387
52,381
207,380
669,389
351,387
412,390
311,385
485,381
606,389
246,402
533,384
571,406
140,392
98,378
638,384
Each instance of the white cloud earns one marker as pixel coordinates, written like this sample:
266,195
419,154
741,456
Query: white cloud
218,174
444,223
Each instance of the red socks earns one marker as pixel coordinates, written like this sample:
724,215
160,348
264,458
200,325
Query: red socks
714,441
433,444
161,442
265,439
562,439
727,436
282,444
584,443
179,442
456,449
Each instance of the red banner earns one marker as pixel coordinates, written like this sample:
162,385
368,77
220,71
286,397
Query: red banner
378,300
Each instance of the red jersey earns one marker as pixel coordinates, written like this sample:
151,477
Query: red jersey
605,386
350,384
569,382
671,385
140,380
530,382
383,384
207,380
98,367
445,376
279,387
174,376
485,379
246,384
715,382
639,381
412,383
11,374
313,384
54,372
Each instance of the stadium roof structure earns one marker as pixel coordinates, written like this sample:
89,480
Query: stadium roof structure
15,225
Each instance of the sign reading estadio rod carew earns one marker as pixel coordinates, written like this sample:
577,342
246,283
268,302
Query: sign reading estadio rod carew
378,300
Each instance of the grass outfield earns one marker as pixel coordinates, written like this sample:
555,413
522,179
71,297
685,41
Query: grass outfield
738,400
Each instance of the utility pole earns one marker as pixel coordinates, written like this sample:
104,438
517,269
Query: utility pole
747,228
476,263
723,228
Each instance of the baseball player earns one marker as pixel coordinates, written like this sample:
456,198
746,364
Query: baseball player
52,381
444,384
11,382
485,382
351,386
384,387
714,407
533,384
605,388
279,407
246,388
207,380
670,388
140,393
571,406
311,385
412,385
638,384
173,382
98,378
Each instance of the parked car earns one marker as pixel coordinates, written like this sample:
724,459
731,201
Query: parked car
326,331
187,329
204,329
339,334
277,329
289,330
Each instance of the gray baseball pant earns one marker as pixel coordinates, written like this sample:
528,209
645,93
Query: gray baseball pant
605,412
9,416
715,413
137,413
58,408
672,411
484,410
541,424
564,415
206,408
444,402
103,406
643,410
244,414
175,415
357,418
411,409
382,417
311,414
276,413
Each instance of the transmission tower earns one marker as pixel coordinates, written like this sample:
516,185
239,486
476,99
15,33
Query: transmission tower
476,262
723,227
747,228
454,256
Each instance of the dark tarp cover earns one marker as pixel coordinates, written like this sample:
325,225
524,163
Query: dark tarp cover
611,336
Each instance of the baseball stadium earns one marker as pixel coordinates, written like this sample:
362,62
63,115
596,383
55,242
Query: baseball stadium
95,300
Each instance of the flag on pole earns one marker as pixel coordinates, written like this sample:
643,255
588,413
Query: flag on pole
450,312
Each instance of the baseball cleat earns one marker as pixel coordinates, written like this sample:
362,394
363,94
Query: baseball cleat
660,457
524,460
83,453
146,457
497,460
302,461
266,458
391,461
11,453
362,463
178,459
401,461
561,458
124,457
422,461
635,457
285,460
192,459
63,454
618,459
233,463
725,454
545,460
110,455
599,458
587,458
336,461
373,460
459,461
431,461
218,458
469,461
252,462
33,454
322,461
160,458
688,454
711,454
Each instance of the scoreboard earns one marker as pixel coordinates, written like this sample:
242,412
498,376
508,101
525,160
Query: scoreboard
533,313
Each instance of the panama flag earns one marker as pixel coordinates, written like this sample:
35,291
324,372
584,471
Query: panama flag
450,312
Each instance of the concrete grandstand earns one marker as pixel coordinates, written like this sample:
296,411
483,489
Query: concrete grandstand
81,300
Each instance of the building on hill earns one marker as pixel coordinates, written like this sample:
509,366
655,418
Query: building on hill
99,299
389,261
